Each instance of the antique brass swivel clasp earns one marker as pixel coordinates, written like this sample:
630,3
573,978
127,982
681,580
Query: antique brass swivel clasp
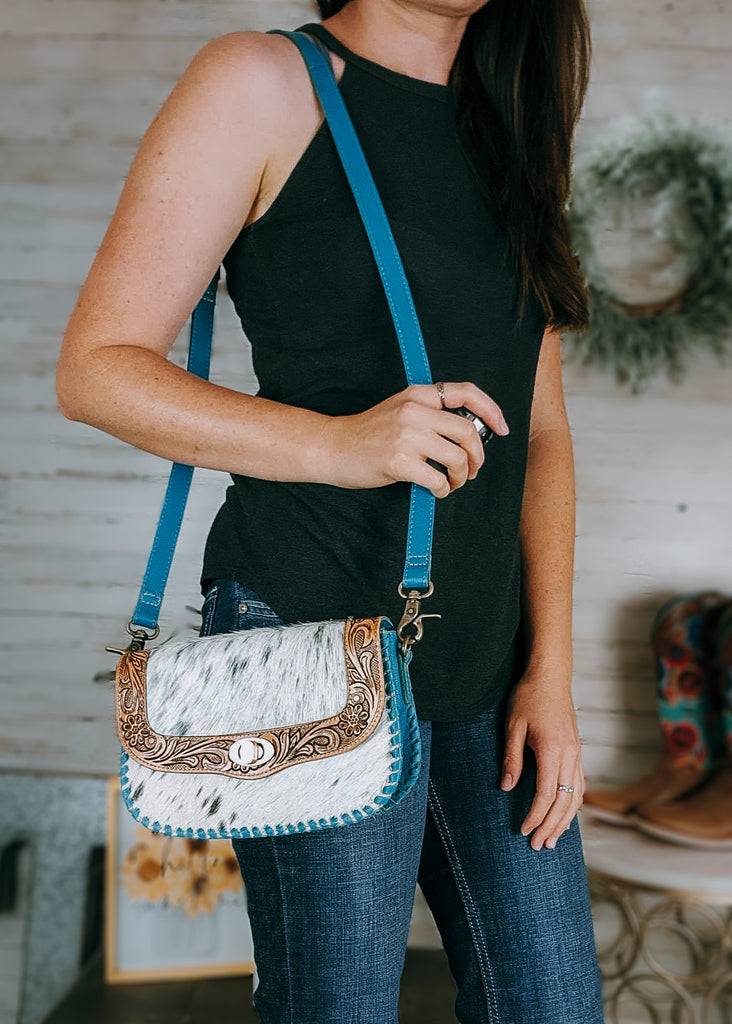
140,636
410,628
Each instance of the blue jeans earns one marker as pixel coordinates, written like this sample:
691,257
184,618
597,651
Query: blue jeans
330,910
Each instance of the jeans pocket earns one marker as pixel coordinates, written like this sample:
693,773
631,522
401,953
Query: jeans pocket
208,611
229,607
252,612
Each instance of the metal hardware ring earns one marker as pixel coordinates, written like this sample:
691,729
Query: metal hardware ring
140,632
430,590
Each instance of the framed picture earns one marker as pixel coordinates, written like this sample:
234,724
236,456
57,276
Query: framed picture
173,907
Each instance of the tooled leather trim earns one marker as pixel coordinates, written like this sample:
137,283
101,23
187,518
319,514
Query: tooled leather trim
279,747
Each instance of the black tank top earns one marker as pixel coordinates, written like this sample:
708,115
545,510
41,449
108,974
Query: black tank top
306,288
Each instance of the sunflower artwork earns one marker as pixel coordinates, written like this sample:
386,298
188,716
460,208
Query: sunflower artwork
192,874
174,906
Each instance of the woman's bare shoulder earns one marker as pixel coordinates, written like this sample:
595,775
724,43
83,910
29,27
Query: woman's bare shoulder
261,89
246,66
216,150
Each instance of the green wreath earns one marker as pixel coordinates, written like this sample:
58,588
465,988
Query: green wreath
679,168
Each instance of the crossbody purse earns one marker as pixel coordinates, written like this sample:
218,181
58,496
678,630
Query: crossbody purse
291,728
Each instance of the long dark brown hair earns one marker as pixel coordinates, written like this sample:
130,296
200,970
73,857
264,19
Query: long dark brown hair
521,75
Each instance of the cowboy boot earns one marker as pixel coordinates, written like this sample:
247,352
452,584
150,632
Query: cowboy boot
704,818
685,707
723,649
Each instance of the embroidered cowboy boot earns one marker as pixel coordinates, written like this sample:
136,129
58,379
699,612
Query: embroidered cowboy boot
704,817
686,709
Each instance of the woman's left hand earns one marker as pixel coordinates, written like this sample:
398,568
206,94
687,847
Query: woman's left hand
541,716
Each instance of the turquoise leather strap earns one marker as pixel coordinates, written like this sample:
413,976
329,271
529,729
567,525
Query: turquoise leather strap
418,561
422,502
151,593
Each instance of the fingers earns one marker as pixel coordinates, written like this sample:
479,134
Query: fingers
464,437
433,479
552,810
469,395
559,818
421,413
513,758
410,467
425,431
461,463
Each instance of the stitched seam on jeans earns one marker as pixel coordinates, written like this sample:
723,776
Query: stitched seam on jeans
284,931
471,913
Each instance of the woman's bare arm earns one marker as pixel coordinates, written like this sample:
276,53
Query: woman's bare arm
194,181
548,522
541,713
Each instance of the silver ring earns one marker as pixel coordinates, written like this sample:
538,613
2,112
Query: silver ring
441,392
565,789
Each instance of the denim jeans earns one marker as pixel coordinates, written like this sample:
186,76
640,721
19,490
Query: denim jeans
330,910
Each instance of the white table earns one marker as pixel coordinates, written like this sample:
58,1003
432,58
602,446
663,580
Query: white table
663,920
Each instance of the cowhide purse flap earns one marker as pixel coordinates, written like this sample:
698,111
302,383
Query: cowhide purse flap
196,706
250,703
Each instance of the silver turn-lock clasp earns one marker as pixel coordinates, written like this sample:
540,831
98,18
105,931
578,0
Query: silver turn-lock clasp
410,628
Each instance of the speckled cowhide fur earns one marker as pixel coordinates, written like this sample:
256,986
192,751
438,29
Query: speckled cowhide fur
236,733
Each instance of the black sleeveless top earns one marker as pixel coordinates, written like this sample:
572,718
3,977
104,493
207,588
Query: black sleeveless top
306,288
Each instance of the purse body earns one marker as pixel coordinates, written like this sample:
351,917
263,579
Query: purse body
267,731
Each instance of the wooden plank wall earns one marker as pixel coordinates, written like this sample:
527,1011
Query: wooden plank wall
81,79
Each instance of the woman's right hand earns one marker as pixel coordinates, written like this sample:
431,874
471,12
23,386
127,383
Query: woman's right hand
392,440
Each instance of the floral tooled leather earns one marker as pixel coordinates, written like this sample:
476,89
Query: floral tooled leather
281,747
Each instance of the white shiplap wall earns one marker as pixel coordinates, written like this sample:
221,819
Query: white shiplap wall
653,471
81,79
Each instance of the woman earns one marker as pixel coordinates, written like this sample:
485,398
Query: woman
466,113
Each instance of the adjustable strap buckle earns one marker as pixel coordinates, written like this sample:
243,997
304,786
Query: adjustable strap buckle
410,628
